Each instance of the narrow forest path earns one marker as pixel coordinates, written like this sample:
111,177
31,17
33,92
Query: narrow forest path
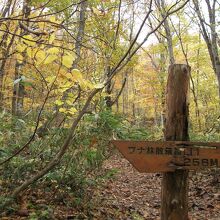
133,195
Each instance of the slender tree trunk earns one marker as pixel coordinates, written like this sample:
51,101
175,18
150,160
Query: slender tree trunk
219,84
14,97
196,89
211,41
175,184
19,89
108,100
6,8
162,84
80,33
134,95
124,98
2,74
161,5
155,111
6,51
3,44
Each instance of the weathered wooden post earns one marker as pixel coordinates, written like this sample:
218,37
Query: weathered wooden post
175,184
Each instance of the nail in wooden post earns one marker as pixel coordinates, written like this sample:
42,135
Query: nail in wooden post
175,184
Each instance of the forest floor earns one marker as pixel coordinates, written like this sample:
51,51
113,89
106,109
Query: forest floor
135,195
130,195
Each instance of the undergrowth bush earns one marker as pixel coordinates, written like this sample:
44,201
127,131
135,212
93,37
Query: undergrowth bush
81,165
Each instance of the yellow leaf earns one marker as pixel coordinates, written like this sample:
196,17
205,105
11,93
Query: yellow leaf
76,75
53,50
88,84
20,58
67,85
63,110
68,102
52,38
50,59
96,11
21,47
52,18
33,14
40,56
41,25
61,90
50,79
59,102
28,39
72,111
29,52
68,76
70,95
67,60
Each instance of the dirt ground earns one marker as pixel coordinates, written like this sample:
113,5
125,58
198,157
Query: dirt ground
132,195
127,195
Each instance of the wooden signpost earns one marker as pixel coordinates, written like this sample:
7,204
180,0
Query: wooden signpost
167,156
175,156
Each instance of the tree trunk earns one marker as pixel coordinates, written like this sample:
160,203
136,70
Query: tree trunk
80,33
212,37
108,100
6,8
19,89
175,184
162,6
219,84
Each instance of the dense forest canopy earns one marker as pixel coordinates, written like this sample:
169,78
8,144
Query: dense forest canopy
82,42
77,73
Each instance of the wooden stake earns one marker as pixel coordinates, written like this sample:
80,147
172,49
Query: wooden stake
175,184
